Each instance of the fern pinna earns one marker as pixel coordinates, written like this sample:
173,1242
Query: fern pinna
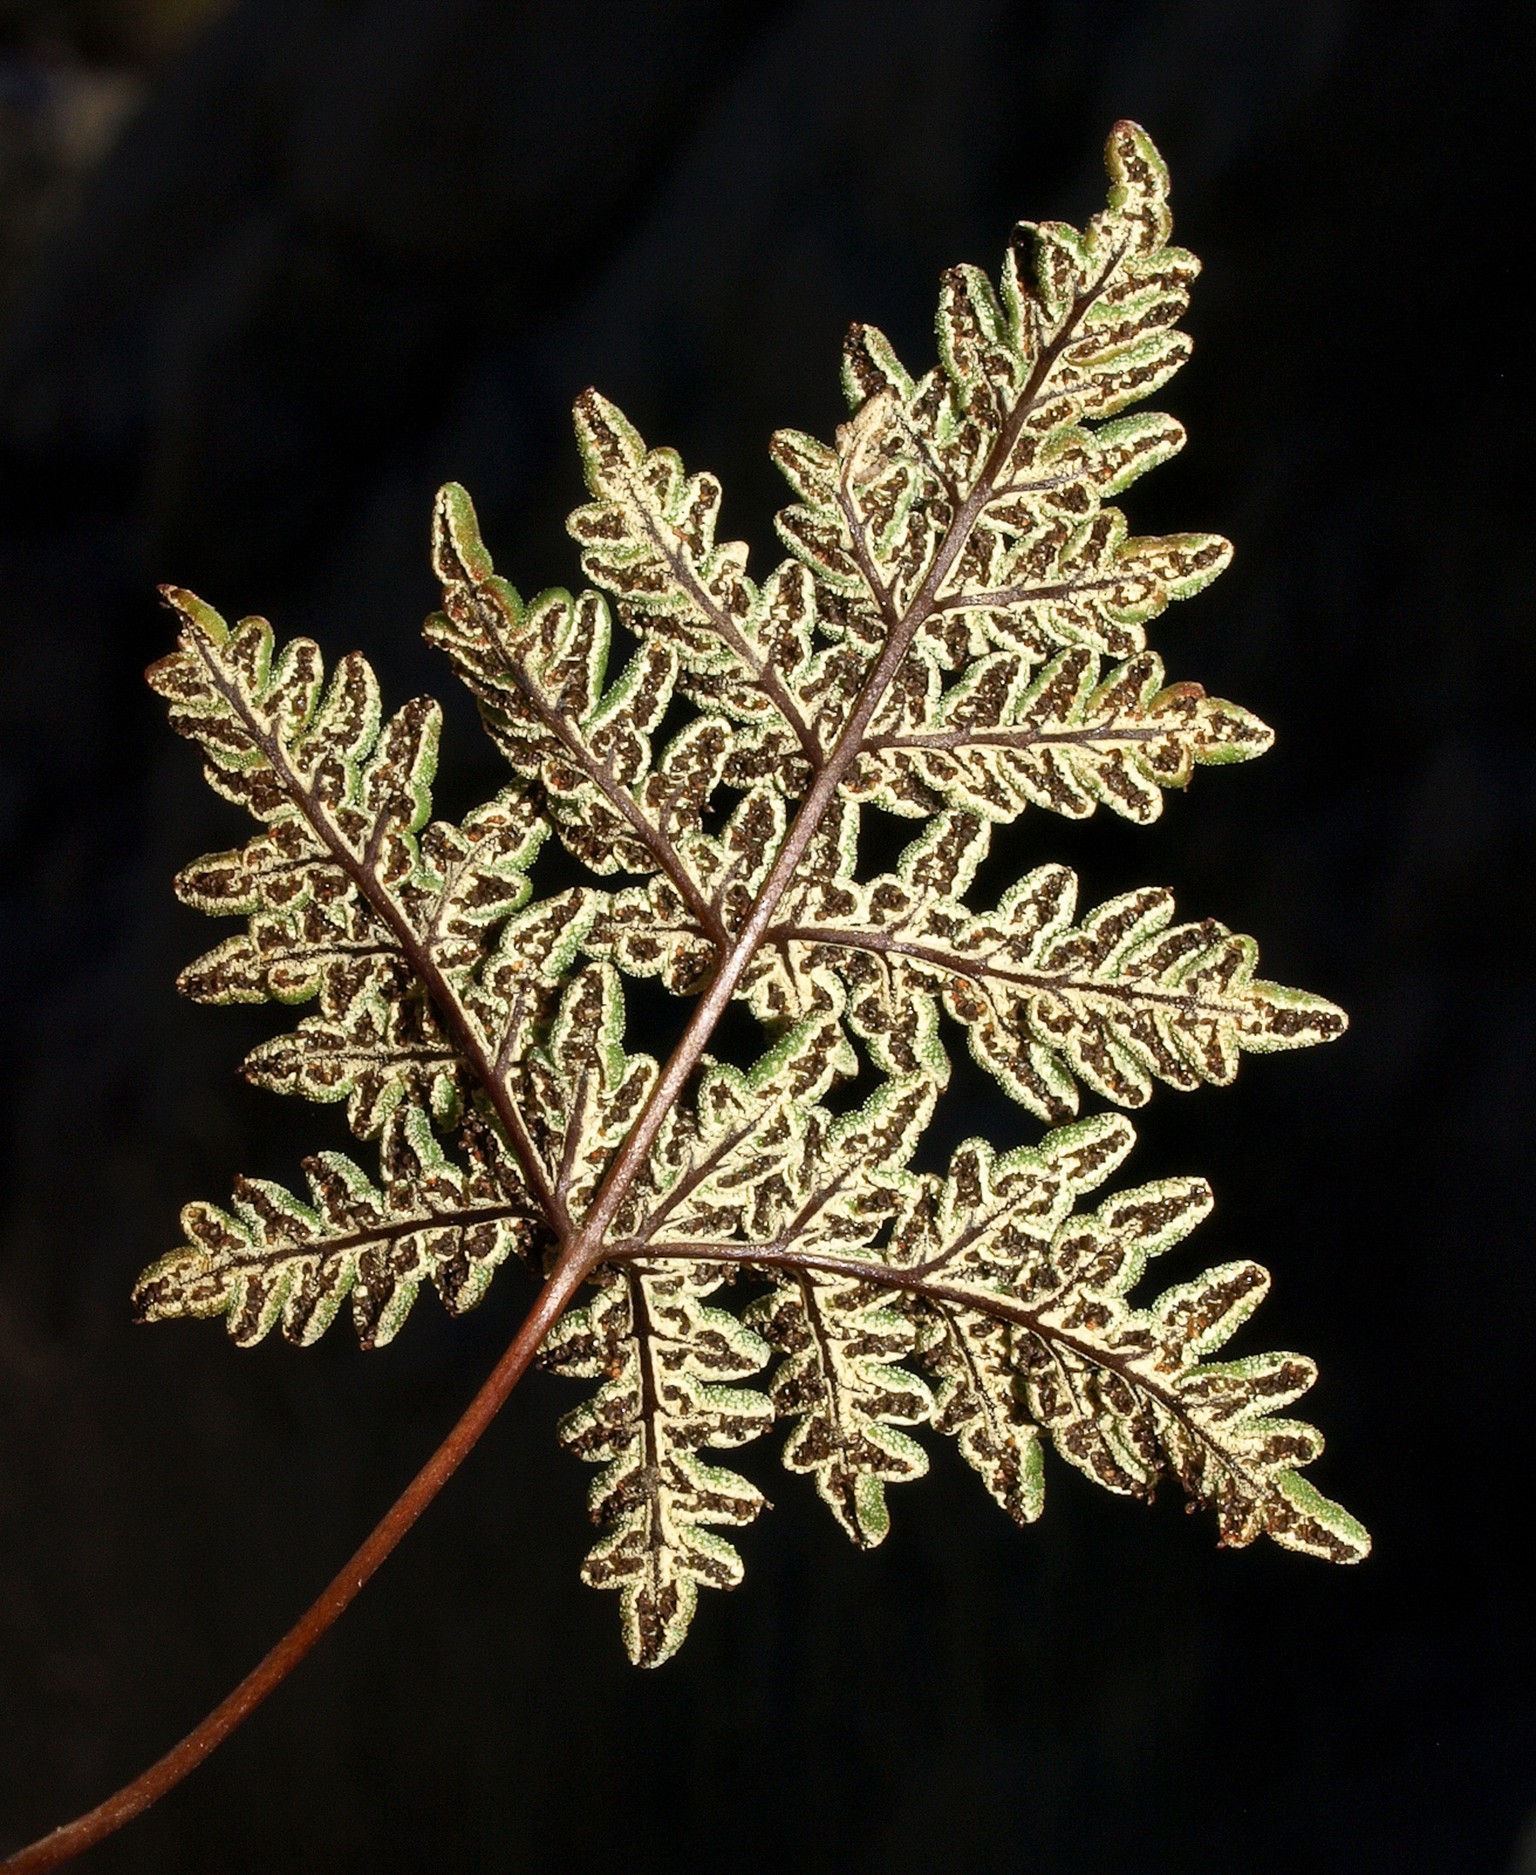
957,634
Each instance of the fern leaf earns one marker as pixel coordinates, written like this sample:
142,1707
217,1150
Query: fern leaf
978,1225
1118,1001
539,672
649,931
581,1089
840,1338
665,1357
1033,1328
1121,999
957,634
1008,735
349,896
649,539
841,1335
733,1163
276,1261
307,921
1076,332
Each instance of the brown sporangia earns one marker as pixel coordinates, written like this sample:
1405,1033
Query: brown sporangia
957,636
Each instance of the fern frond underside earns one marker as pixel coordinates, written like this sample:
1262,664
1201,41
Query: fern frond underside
957,635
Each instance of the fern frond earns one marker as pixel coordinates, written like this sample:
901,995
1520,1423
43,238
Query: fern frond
1117,1001
841,1336
733,1161
277,1261
1019,1307
1080,327
977,1225
581,1088
1031,1327
1008,735
958,634
539,672
665,1356
649,539
351,899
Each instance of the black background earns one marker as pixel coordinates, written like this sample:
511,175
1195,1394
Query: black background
349,249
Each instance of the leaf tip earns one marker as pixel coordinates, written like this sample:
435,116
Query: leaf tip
1133,160
459,556
1303,1519
195,614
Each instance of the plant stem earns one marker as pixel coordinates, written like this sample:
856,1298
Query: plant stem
71,1839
